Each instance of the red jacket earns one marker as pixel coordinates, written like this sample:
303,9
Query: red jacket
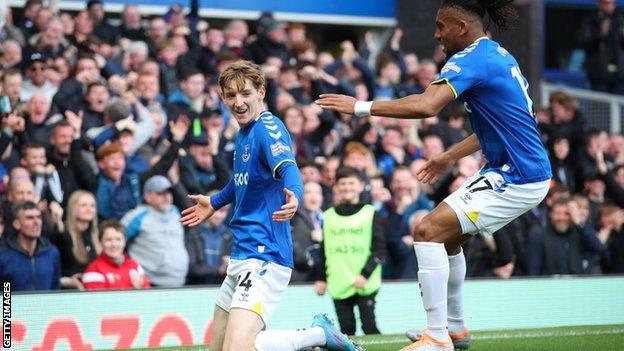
105,273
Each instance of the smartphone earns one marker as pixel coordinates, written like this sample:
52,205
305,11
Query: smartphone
5,105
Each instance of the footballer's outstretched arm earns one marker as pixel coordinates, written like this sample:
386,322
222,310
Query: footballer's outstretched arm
415,106
206,206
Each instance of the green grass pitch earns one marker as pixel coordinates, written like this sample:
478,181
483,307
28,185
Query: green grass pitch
581,338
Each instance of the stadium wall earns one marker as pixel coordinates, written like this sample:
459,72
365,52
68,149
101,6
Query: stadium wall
169,317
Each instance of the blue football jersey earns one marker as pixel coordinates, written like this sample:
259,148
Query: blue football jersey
261,147
487,78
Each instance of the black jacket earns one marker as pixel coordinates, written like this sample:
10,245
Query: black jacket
74,172
603,50
303,247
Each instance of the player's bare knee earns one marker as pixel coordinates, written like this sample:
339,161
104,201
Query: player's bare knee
426,231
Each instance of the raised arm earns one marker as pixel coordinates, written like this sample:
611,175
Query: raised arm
415,106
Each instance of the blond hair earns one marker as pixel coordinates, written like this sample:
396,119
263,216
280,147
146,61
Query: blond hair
71,224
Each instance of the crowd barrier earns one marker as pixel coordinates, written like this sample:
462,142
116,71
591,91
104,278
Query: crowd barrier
170,317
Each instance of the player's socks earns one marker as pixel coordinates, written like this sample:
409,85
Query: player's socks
455,300
289,340
433,275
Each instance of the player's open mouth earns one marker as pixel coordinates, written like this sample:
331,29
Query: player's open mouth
241,112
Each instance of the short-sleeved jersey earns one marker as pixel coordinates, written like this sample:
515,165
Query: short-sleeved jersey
261,147
488,80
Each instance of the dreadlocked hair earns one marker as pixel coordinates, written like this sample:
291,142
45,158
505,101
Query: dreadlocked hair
501,12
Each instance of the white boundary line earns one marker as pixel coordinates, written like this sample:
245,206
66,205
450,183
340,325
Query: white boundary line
506,335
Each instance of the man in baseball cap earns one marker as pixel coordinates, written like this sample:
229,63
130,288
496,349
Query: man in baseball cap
35,67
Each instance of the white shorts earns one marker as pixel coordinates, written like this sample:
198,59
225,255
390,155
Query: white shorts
485,202
253,285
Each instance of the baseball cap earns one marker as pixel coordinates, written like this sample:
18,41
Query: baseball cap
273,24
157,184
200,139
35,57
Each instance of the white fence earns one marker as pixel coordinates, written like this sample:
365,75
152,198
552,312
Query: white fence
600,110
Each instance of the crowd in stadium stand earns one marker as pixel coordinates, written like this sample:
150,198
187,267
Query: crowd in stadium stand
118,123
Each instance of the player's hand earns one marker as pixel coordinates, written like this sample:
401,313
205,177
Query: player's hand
320,287
194,215
288,209
359,282
431,170
337,102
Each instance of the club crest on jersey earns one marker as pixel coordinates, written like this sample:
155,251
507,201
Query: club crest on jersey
246,153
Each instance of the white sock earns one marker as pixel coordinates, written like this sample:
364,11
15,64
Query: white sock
433,275
455,300
289,340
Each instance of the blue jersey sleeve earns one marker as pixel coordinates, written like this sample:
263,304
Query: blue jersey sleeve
275,143
292,179
223,197
461,72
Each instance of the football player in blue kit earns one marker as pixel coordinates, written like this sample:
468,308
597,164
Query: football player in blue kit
265,190
516,177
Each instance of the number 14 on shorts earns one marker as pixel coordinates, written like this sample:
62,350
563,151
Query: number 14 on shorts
246,281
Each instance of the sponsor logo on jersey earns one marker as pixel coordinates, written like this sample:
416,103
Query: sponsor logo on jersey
451,66
466,198
244,297
246,153
278,148
241,179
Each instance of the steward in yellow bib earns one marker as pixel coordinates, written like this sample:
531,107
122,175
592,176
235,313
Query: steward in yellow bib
353,246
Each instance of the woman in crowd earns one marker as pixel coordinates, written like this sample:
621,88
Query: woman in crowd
78,244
